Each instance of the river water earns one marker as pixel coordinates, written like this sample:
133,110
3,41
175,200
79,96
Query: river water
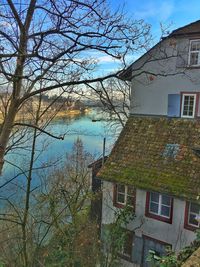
52,151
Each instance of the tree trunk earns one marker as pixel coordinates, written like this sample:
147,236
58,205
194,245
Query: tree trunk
6,130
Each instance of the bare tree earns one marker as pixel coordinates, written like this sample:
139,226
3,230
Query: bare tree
114,95
52,211
167,59
47,40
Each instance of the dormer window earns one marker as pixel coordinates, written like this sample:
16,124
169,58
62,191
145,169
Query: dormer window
188,105
194,54
171,151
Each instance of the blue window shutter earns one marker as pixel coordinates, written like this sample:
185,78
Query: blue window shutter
174,102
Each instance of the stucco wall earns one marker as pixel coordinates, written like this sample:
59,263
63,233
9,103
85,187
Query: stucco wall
173,234
172,75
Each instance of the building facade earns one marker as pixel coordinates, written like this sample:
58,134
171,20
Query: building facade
154,166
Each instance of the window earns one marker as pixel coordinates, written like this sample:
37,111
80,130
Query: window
188,105
185,104
159,206
194,54
153,249
124,195
192,216
126,251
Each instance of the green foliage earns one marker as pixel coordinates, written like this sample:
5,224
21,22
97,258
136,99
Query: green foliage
170,260
153,258
58,249
173,260
114,237
1,263
74,246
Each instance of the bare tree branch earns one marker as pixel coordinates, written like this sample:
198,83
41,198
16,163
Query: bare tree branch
39,129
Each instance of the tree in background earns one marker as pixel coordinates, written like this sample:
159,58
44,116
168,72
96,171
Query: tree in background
53,43
59,208
49,45
114,95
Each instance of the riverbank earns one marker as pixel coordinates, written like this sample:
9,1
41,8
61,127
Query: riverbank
71,113
62,114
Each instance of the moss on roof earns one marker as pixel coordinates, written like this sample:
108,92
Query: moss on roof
193,260
138,156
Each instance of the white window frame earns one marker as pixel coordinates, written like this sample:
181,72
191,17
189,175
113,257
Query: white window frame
160,205
190,52
189,212
125,196
117,192
194,106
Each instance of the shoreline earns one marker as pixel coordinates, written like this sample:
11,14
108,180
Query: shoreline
71,113
59,115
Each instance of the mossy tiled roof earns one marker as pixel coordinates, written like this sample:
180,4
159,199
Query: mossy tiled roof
139,156
194,260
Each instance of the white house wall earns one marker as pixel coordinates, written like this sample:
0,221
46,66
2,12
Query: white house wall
174,234
154,79
108,210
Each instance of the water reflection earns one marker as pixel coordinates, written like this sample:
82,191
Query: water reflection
52,152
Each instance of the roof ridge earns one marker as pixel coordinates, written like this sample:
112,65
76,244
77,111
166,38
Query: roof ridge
185,26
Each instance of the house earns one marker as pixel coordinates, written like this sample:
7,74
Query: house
154,166
96,203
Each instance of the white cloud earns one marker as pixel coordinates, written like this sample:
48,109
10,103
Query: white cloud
109,59
97,57
106,59
106,62
101,57
160,11
109,70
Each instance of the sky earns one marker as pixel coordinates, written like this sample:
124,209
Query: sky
175,12
172,13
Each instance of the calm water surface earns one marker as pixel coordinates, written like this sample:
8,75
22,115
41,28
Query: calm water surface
52,151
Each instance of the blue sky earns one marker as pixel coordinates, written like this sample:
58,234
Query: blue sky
175,13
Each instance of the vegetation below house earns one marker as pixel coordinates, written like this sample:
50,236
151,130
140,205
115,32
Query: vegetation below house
174,260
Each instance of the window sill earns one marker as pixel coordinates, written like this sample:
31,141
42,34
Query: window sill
193,67
158,217
188,117
118,205
122,206
191,227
